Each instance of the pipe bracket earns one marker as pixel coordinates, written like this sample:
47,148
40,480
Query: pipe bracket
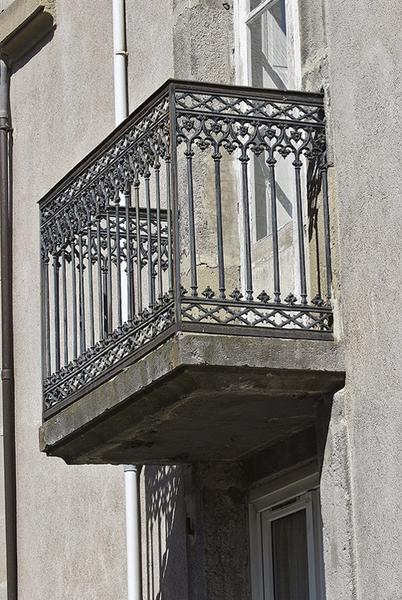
7,374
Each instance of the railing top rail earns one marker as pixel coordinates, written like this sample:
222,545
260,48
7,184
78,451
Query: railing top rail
288,96
194,87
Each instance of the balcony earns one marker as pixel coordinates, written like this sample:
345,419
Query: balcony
171,258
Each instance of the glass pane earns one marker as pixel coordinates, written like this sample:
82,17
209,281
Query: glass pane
255,3
290,561
269,61
262,194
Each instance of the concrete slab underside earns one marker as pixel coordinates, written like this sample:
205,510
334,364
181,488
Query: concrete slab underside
198,397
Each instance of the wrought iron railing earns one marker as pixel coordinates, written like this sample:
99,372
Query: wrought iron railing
205,211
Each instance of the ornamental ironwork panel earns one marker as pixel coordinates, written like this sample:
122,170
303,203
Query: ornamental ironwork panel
206,210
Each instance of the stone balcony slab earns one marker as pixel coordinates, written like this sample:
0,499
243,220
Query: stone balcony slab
198,397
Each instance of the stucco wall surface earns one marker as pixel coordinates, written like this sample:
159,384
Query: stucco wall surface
70,520
5,4
365,83
164,535
203,40
185,39
149,46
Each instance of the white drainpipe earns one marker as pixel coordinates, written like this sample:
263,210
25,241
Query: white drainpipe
131,478
120,61
131,472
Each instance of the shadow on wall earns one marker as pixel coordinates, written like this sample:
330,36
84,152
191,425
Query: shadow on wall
164,528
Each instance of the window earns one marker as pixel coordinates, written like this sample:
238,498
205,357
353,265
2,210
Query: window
286,545
268,45
268,57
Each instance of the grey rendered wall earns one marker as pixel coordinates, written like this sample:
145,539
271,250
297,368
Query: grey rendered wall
361,483
70,520
164,556
185,39
4,4
150,47
203,40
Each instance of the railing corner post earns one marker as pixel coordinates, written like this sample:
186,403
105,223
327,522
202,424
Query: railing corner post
175,214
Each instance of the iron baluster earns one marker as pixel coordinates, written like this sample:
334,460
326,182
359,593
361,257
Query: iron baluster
274,225
129,260
138,244
174,197
56,300
90,290
246,226
158,229
219,224
190,201
118,260
48,361
65,305
151,280
108,268
300,229
169,226
74,300
81,296
101,319
327,228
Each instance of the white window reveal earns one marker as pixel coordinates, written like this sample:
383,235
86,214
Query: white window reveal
286,549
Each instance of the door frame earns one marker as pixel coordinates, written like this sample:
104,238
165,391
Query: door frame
265,503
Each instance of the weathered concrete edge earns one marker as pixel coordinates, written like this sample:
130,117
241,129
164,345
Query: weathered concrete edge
188,349
23,24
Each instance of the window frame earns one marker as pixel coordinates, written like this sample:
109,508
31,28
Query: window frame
274,501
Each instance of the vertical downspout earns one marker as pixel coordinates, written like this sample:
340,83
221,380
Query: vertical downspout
120,61
7,367
131,472
133,524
